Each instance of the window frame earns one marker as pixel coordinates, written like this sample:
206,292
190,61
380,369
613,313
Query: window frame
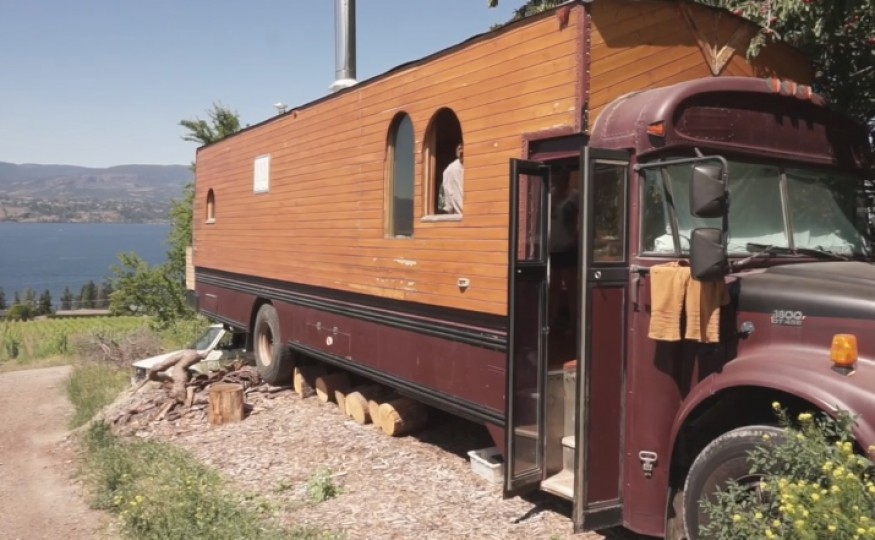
211,206
390,228
431,177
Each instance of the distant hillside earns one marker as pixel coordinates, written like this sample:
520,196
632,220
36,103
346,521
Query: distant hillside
66,193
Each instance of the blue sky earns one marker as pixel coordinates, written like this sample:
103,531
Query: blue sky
105,82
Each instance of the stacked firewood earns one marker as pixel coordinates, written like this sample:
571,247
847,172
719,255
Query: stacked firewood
170,392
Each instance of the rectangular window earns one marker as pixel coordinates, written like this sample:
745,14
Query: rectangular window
261,175
609,211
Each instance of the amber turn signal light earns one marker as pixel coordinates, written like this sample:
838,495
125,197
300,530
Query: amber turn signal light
843,351
657,129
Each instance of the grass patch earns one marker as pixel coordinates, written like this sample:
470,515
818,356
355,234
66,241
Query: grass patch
322,487
183,333
161,492
24,343
93,386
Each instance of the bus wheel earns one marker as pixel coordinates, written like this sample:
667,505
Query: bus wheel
273,359
724,459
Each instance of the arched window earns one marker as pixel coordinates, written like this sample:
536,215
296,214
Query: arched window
211,206
399,176
443,146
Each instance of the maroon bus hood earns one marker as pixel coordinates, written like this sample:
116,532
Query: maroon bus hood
843,289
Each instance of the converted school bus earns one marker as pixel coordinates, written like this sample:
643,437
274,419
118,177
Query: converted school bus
320,231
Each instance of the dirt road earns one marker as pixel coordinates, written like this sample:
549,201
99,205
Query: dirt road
38,497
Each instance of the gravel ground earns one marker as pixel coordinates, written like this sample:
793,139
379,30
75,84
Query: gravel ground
418,486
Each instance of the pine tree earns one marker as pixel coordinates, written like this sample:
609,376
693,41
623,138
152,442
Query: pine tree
88,296
16,300
45,304
67,299
2,299
103,293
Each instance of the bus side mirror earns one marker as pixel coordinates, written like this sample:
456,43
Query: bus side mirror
708,260
708,196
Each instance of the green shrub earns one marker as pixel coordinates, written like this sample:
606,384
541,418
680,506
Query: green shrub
814,485
91,387
20,312
12,347
322,487
183,332
160,492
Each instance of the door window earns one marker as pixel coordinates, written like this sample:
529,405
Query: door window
609,212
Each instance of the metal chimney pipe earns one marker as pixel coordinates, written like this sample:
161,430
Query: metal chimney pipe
344,43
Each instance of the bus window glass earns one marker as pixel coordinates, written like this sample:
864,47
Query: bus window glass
656,224
609,192
823,212
755,213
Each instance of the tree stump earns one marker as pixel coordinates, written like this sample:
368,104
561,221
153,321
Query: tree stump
401,416
305,380
326,385
358,402
226,403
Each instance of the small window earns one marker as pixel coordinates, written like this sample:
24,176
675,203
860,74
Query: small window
443,155
211,206
399,176
261,175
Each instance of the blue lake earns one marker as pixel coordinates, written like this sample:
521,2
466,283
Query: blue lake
57,255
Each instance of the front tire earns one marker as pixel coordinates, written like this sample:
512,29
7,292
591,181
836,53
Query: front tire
724,459
273,359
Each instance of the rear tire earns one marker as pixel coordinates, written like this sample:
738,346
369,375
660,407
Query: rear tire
724,459
274,360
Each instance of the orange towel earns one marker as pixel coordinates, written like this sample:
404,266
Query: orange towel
668,285
673,293
703,309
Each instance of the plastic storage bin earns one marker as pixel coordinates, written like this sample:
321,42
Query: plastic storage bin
488,463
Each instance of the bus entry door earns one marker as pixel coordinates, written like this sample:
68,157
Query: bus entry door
604,285
527,330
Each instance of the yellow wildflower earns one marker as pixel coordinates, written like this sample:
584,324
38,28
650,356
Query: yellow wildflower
777,406
736,518
805,417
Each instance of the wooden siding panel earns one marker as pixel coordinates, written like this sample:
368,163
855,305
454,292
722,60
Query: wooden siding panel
633,51
326,230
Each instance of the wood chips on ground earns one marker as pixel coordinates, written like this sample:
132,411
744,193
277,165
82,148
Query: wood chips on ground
415,487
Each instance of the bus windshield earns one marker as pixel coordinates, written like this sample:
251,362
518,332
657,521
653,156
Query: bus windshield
781,206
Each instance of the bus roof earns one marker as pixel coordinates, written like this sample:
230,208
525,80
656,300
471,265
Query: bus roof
767,117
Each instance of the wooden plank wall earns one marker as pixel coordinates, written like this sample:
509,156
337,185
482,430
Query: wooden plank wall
323,224
643,44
